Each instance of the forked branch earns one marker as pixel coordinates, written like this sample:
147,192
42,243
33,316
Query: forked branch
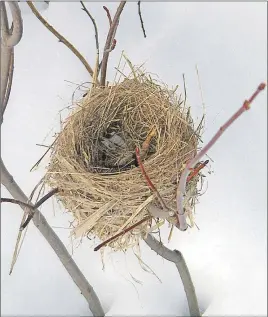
177,258
109,42
30,207
49,234
9,38
38,219
189,166
60,37
12,37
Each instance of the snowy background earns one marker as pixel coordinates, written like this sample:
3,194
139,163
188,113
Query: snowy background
227,257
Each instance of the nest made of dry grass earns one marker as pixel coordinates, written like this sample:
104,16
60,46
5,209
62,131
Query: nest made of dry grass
100,182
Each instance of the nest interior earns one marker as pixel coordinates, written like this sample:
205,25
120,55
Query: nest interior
93,160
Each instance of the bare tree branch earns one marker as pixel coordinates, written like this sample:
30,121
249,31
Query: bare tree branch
190,165
10,78
7,60
10,39
142,25
49,234
60,37
38,219
109,42
177,258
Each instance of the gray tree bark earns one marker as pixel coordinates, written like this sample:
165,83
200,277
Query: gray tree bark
9,38
49,234
177,258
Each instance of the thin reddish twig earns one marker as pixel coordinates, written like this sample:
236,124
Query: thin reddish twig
121,233
185,175
110,42
196,170
108,15
183,179
147,178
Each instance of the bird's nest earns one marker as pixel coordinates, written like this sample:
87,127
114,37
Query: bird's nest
94,163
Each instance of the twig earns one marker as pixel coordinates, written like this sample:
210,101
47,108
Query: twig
177,258
94,24
38,204
112,46
109,42
8,40
46,197
60,37
142,25
49,234
121,233
18,245
17,202
31,207
10,78
12,39
196,170
182,183
96,71
108,15
41,158
149,182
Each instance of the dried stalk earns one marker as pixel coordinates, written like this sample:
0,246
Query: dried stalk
109,42
183,179
60,37
177,258
141,20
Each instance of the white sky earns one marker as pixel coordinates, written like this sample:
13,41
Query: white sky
227,257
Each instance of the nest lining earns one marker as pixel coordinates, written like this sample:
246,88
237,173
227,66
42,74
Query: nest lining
93,160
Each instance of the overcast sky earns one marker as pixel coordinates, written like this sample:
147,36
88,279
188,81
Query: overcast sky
227,257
